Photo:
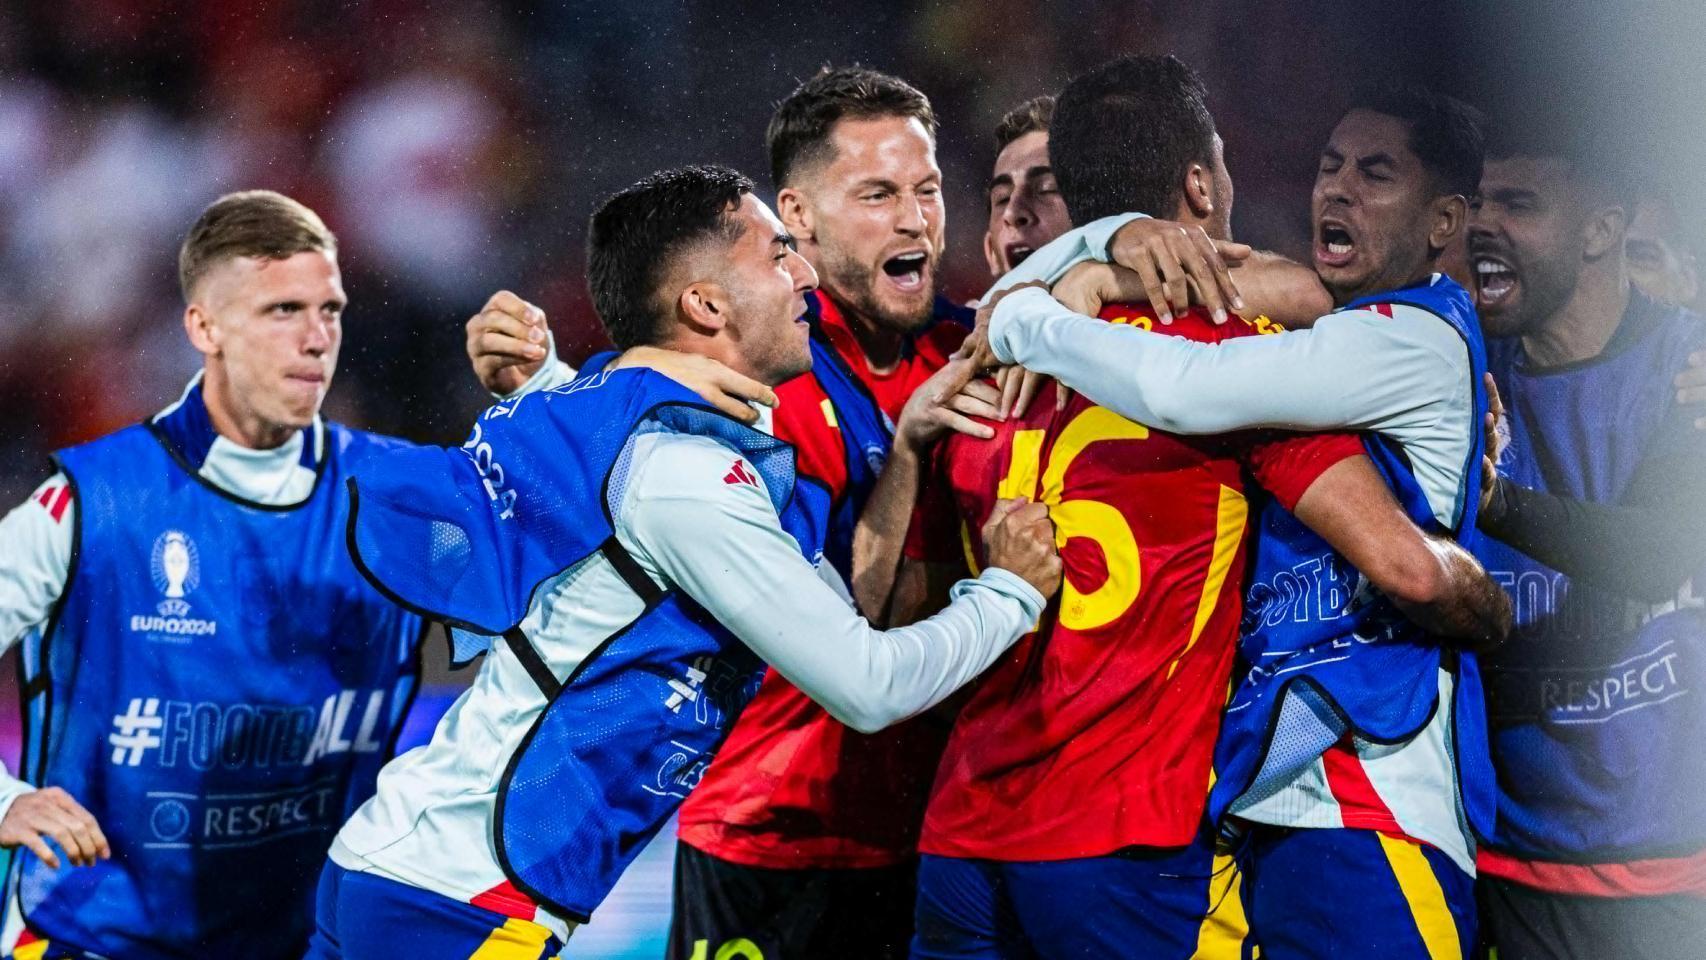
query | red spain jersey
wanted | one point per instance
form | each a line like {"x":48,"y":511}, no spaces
{"x":792,"y":788}
{"x":1097,"y":731}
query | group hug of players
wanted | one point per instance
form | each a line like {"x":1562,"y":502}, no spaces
{"x":1235,"y":613}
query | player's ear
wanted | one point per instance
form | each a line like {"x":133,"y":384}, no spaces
{"x":1451,"y":217}
{"x":791,"y":209}
{"x":1199,"y":191}
{"x":704,"y":306}
{"x":1602,"y":232}
{"x":205,"y":335}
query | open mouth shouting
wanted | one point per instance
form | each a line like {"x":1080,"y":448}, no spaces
{"x":1336,"y":246}
{"x":1495,"y":279}
{"x":908,"y":271}
{"x":1016,"y":253}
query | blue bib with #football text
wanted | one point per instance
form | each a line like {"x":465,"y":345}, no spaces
{"x":219,"y":688}
{"x":1598,"y":701}
{"x":1327,"y":655}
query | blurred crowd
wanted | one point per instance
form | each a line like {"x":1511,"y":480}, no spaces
{"x":458,"y":147}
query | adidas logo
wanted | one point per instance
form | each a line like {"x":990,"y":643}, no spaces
{"x":740,"y":474}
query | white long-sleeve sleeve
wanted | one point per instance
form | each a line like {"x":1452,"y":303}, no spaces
{"x":1053,"y":259}
{"x":551,"y":375}
{"x":35,"y":560}
{"x":719,"y":540}
{"x":1406,"y":376}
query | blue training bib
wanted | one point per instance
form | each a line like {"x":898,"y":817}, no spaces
{"x":219,"y":687}
{"x":468,"y":534}
{"x":1327,"y":655}
{"x":1596,"y":704}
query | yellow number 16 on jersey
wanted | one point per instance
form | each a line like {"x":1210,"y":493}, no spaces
{"x":1090,"y":519}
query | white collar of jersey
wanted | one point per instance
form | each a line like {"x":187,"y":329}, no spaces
{"x":766,"y":422}
{"x":280,"y":477}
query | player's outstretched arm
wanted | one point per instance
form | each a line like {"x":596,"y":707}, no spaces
{"x":1354,"y":370}
{"x":35,"y":557}
{"x":721,"y":543}
{"x":732,"y":393}
{"x":1051,"y":261}
{"x":1432,"y":580}
{"x":1286,"y":291}
{"x":881,"y":532}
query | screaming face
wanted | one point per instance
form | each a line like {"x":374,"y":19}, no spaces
{"x":1525,"y":243}
{"x":877,"y":221}
{"x":1371,"y":208}
{"x":1025,"y":207}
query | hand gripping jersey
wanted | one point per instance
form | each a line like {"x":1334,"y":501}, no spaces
{"x":468,"y":534}
{"x":1595,"y":702}
{"x":1096,"y":732}
{"x":792,"y":788}
{"x":219,"y":687}
{"x":1330,"y":658}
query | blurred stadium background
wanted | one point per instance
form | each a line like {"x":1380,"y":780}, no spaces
{"x":457,"y":148}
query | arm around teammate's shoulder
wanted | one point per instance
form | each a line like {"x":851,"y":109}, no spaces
{"x":719,"y":540}
{"x":1433,"y":580}
{"x":1352,"y":370}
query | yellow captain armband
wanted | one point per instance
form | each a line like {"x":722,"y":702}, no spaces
{"x":829,"y":413}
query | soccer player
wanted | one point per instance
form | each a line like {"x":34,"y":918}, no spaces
{"x":801,"y":839}
{"x":1025,"y":208}
{"x":1354,"y":750}
{"x":1595,"y":527}
{"x":1662,"y":262}
{"x":209,"y":686}
{"x":642,"y":557}
{"x":1066,"y":819}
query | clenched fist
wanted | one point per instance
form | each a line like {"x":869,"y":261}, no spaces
{"x":1019,"y":538}
{"x":506,"y":342}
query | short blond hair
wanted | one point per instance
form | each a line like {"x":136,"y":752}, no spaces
{"x":250,"y":223}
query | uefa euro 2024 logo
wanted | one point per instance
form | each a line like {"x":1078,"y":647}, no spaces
{"x":176,"y":566}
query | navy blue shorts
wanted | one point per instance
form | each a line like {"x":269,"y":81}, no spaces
{"x":359,"y":916}
{"x":1336,"y":894}
{"x":1156,"y":904}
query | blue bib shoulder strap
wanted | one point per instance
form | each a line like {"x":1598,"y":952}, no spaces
{"x":866,"y":431}
{"x":866,"y":436}
{"x":1447,"y":299}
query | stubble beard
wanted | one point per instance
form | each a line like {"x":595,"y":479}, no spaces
{"x":854,"y":285}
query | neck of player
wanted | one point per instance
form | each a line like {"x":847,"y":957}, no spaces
{"x":882,"y":345}
{"x":1586,"y":322}
{"x":234,"y":421}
